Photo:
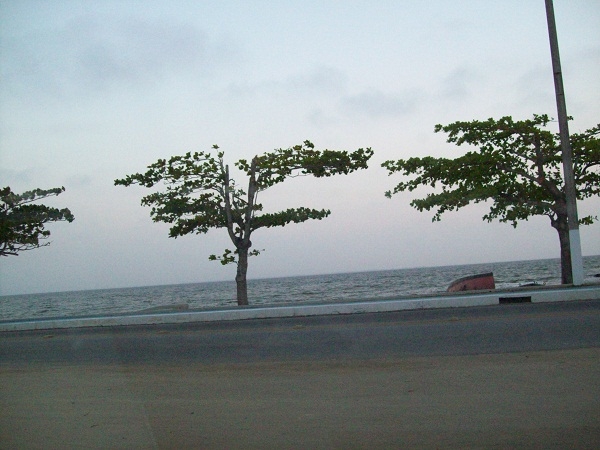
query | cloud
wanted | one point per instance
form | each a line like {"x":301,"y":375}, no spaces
{"x":375,"y":103}
{"x":322,"y":79}
{"x":533,"y":88}
{"x":79,"y":181}
{"x":17,"y":179}
{"x":36,"y":176}
{"x":135,"y":50}
{"x":95,"y":54}
{"x":319,"y":81}
{"x":325,"y":90}
{"x":457,"y":84}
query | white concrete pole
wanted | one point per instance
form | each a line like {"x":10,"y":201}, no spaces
{"x":567,"y":157}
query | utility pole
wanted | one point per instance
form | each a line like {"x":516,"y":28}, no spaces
{"x":567,"y":156}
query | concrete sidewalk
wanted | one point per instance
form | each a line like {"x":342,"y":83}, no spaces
{"x":546,"y":400}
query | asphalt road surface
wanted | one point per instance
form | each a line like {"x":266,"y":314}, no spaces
{"x":461,"y":331}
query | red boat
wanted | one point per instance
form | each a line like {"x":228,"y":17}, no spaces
{"x":473,"y":283}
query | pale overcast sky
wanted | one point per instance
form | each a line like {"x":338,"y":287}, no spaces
{"x":94,"y":90}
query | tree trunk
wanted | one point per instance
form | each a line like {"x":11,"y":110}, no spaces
{"x":242,"y":242}
{"x":240,"y":278}
{"x":562,"y":227}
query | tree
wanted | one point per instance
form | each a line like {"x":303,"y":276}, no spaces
{"x":201,"y":194}
{"x":517,"y":168}
{"x":22,"y":222}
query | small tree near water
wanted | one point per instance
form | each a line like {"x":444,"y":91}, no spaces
{"x":22,"y":221}
{"x":201,"y":194}
{"x":517,"y":168}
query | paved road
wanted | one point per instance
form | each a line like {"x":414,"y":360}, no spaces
{"x":464,"y":331}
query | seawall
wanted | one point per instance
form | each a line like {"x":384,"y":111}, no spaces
{"x":462,"y":300}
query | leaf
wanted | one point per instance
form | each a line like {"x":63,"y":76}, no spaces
{"x":22,"y":221}
{"x":198,"y":194}
{"x":516,"y":168}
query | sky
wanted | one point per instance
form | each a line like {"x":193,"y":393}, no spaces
{"x":92,"y":91}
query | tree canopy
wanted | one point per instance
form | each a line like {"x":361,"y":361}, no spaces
{"x":201,"y":194}
{"x":517,"y":168}
{"x":22,"y":222}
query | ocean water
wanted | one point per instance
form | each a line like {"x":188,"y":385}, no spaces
{"x":290,"y":290}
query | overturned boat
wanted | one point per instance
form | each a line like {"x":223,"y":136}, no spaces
{"x":533,"y":284}
{"x":473,"y":283}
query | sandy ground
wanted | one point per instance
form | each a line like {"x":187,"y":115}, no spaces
{"x":520,"y":400}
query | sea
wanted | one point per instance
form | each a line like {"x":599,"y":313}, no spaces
{"x":332,"y":288}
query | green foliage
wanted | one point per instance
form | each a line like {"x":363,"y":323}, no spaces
{"x":200,"y":194}
{"x":229,"y":257}
{"x":517,"y":167}
{"x":22,"y":222}
{"x":303,"y":159}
